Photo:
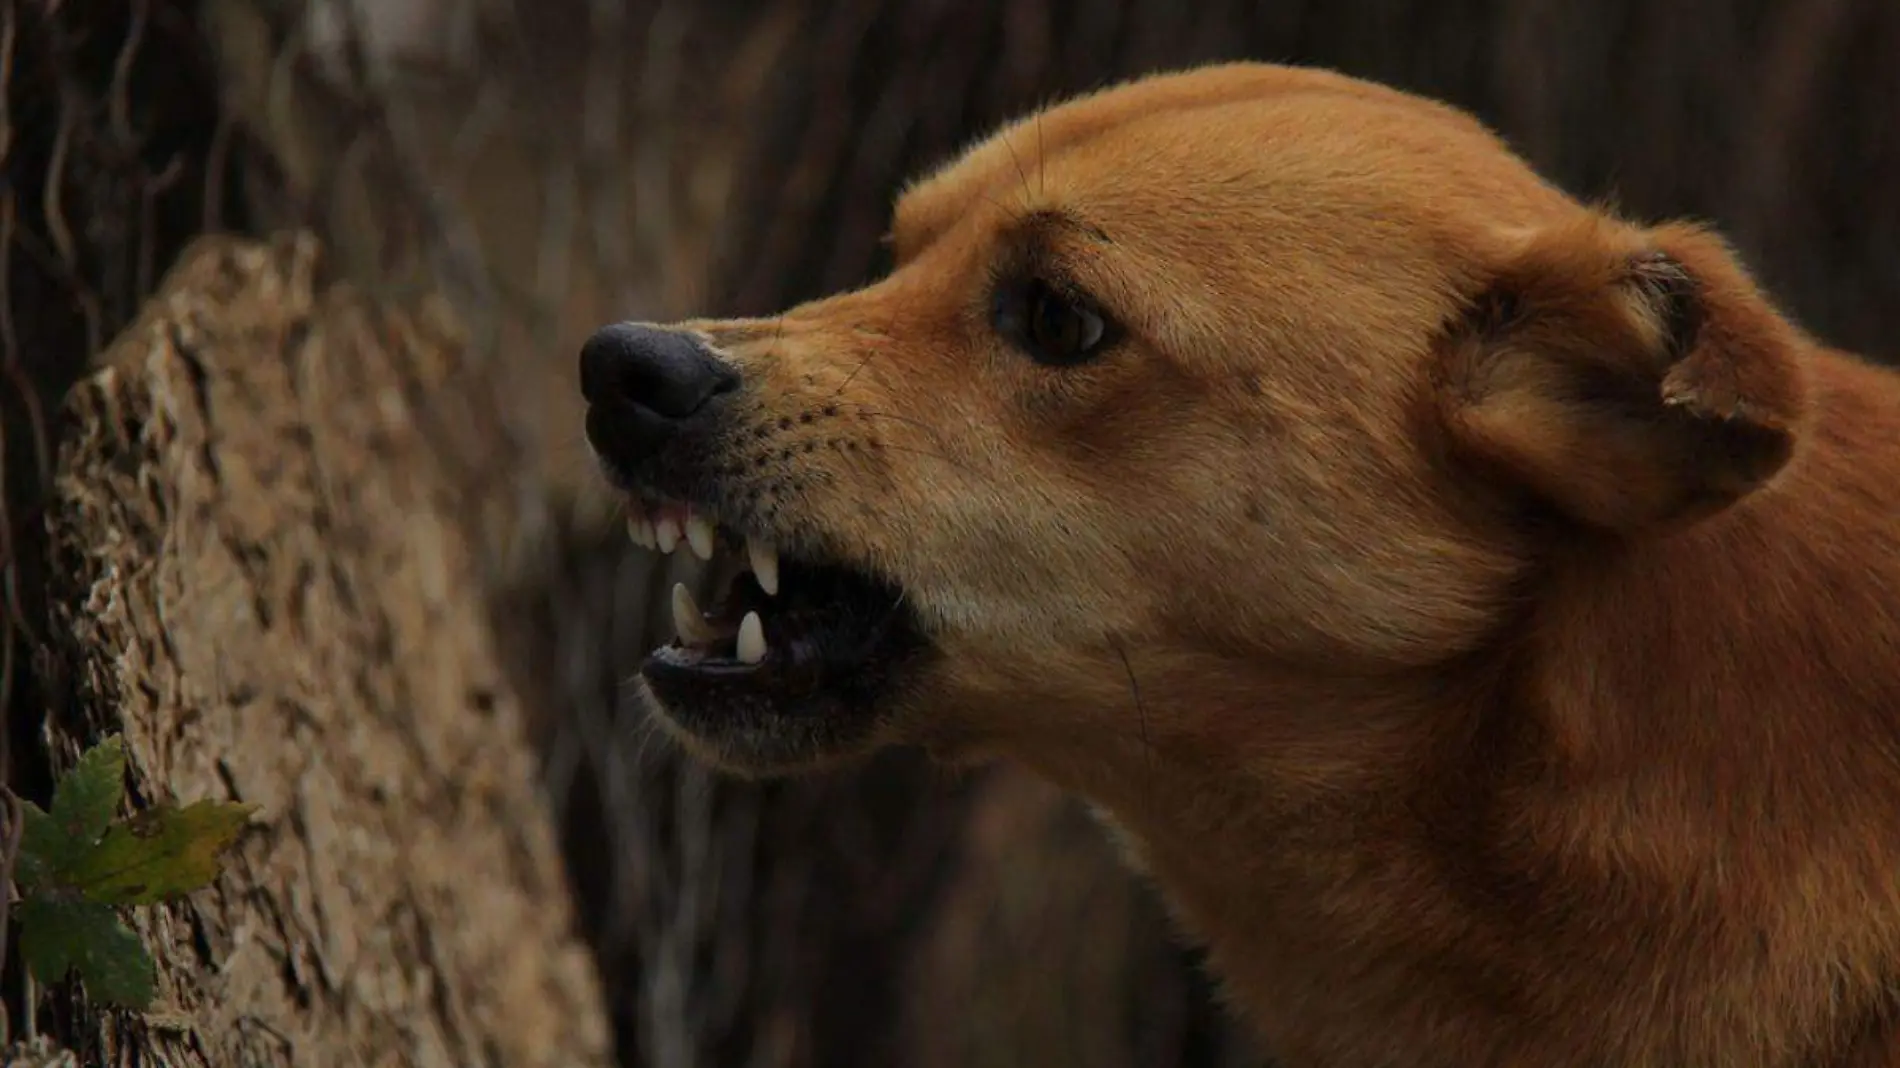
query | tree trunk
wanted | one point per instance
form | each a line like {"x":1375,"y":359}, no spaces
{"x":265,"y":577}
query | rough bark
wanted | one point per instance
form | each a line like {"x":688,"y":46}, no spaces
{"x":266,"y":577}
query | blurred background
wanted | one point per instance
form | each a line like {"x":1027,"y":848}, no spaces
{"x":552,"y":165}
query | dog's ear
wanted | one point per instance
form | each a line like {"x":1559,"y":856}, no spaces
{"x":1627,"y":378}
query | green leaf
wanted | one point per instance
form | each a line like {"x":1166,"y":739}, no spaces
{"x":84,"y":802}
{"x":60,"y":936}
{"x":160,"y":853}
{"x":87,"y":797}
{"x":42,"y":848}
{"x":29,"y":873}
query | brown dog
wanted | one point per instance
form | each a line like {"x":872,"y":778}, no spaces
{"x":1479,"y":613}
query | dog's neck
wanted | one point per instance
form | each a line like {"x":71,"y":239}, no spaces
{"x":1285,"y":855}
{"x":1439,"y":854}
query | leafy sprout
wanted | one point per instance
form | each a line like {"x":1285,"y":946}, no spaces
{"x":78,"y":864}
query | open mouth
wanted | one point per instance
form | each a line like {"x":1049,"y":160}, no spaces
{"x":787,"y":637}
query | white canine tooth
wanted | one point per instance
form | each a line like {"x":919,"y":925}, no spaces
{"x":666,"y":532}
{"x":750,"y":648}
{"x":763,"y":556}
{"x":640,"y":530}
{"x":699,"y":535}
{"x":688,"y":621}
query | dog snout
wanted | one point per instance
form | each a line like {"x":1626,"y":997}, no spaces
{"x":668,"y":373}
{"x":644,"y":385}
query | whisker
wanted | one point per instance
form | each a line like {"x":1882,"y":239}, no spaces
{"x":862,"y":364}
{"x":777,"y":347}
{"x":934,"y":433}
{"x":1141,"y":709}
{"x":1042,"y":157}
{"x":1021,"y":174}
{"x":876,"y":414}
{"x":951,"y":460}
{"x":1015,"y":214}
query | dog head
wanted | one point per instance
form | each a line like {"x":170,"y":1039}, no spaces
{"x":1208,"y":388}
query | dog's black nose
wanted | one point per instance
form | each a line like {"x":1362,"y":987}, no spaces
{"x":668,"y":373}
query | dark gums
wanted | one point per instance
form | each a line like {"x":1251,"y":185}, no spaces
{"x":836,"y":639}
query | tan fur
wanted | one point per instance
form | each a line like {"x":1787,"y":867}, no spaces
{"x":1481,"y":613}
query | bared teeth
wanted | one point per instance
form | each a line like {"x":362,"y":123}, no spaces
{"x":665,"y":527}
{"x":640,"y":523}
{"x":750,"y":648}
{"x":666,"y":533}
{"x":699,"y":535}
{"x":763,"y":556}
{"x":689,"y":621}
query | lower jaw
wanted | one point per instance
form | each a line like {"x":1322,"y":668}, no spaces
{"x":773,"y":681}
{"x":785,"y":717}
{"x":761,"y":740}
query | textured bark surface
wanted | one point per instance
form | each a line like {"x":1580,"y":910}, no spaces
{"x":265,"y":577}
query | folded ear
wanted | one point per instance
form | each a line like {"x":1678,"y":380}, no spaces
{"x":1628,"y":378}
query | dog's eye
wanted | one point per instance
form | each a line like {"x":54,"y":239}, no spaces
{"x":1055,"y":329}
